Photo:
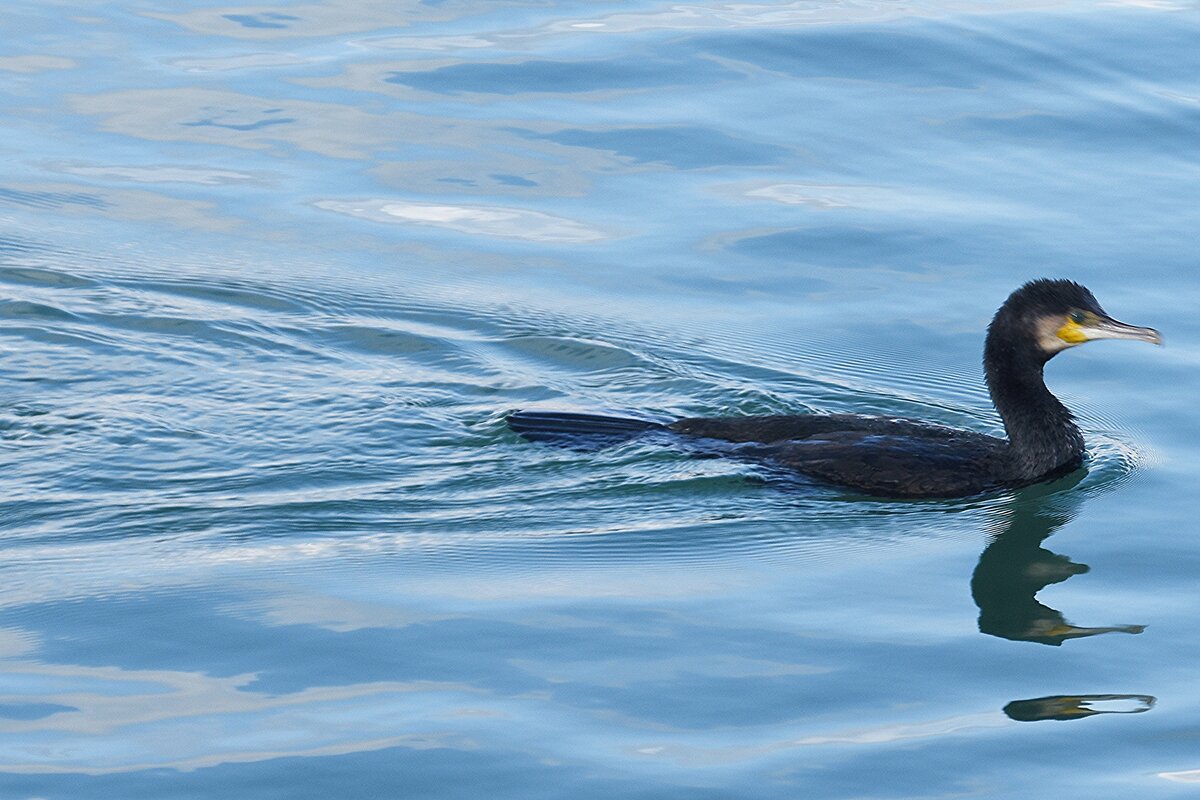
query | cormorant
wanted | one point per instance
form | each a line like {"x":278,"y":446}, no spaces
{"x":894,"y":457}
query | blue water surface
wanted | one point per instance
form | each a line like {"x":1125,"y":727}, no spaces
{"x":271,"y":276}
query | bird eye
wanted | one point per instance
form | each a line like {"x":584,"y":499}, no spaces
{"x":1077,"y":317}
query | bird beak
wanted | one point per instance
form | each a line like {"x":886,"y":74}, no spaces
{"x":1109,"y":328}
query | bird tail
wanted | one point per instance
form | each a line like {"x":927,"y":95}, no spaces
{"x":565,"y":426}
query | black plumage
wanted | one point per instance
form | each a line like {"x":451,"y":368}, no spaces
{"x":907,"y":458}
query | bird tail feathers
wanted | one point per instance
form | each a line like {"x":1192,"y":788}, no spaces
{"x":565,"y":426}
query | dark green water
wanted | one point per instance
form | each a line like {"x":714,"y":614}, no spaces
{"x":271,"y":277}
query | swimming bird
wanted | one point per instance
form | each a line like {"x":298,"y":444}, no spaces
{"x":896,"y":457}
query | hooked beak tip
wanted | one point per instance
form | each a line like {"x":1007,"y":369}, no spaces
{"x":1148,"y":335}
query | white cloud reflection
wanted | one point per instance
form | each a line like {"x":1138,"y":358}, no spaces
{"x":515,"y":223}
{"x":328,"y":18}
{"x":233,"y":119}
{"x":624,"y":672}
{"x":432,"y":43}
{"x":722,"y":17}
{"x":1153,"y":5}
{"x":187,"y":720}
{"x":155,"y":173}
{"x":244,"y":61}
{"x":891,"y":199}
{"x":700,"y":755}
{"x":28,"y":64}
{"x":1183,"y":776}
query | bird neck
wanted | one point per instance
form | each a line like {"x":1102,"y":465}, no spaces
{"x":1042,"y":434}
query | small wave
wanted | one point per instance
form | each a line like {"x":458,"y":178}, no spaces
{"x":32,"y":276}
{"x":1111,"y":461}
{"x":256,"y":297}
{"x":24,"y":423}
{"x":576,"y":355}
{"x":25,"y":310}
{"x":374,"y":420}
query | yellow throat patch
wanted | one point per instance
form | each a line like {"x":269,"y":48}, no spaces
{"x":1072,"y":333}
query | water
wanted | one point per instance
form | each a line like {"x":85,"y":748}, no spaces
{"x":271,"y":276}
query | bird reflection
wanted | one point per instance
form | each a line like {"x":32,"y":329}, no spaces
{"x":1012,"y":570}
{"x":1064,"y":706}
{"x":1015,"y":567}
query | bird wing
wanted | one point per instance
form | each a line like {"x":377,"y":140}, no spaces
{"x":890,"y":465}
{"x":791,"y":427}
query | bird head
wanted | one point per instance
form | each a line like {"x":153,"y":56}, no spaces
{"x":1057,"y":314}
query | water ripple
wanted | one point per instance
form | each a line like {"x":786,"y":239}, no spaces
{"x":250,"y":375}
